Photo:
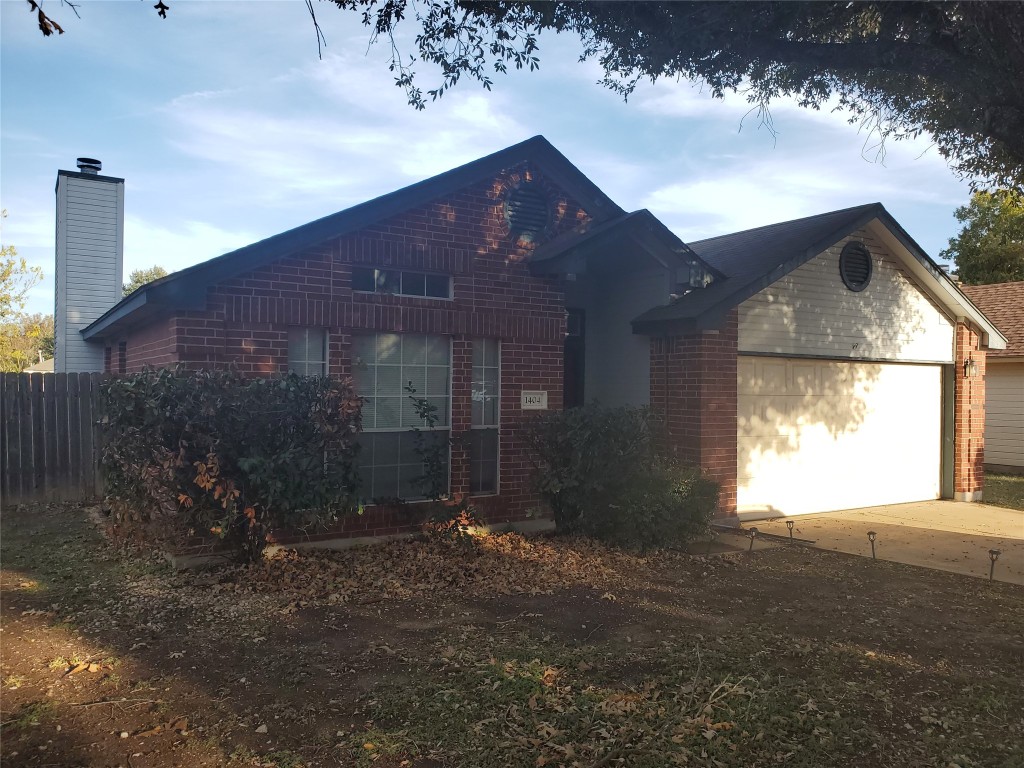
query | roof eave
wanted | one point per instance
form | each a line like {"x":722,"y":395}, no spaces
{"x":200,"y":277}
{"x":948,"y":291}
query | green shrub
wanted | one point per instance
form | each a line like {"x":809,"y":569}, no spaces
{"x":601,"y":473}
{"x":214,"y":452}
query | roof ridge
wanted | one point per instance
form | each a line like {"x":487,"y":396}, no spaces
{"x":179,"y":289}
{"x":862,"y":207}
{"x":965,"y":286}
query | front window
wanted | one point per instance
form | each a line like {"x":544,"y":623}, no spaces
{"x":390,"y":370}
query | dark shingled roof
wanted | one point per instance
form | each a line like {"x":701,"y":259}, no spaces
{"x":1003,"y":304}
{"x":752,"y":260}
{"x":187,"y":289}
{"x":623,"y":235}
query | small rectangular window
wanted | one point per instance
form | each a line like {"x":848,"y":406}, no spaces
{"x":486,"y":414}
{"x":414,"y":284}
{"x":363,"y":280}
{"x":122,"y":357}
{"x":401,"y":282}
{"x":307,"y":351}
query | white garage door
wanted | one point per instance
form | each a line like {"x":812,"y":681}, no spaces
{"x":817,"y":436}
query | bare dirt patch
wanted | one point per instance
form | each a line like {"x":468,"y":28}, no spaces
{"x":518,"y":653}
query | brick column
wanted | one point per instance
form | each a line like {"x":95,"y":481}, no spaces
{"x":462,"y":412}
{"x":969,"y":418}
{"x":693,"y":388}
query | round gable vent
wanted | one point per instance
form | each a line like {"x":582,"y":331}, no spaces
{"x":855,"y":266}
{"x":527,"y":212}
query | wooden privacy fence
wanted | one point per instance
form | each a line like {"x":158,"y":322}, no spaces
{"x":49,"y":437}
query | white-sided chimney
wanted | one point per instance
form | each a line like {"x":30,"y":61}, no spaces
{"x":89,"y":256}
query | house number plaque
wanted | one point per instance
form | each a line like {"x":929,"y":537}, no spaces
{"x":534,"y":401}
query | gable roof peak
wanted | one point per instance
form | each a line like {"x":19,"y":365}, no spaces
{"x":186,"y":288}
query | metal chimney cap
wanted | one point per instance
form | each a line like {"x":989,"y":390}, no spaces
{"x":89,"y":165}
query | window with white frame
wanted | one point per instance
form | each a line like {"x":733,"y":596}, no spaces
{"x":389,"y":371}
{"x":307,"y":351}
{"x":486,"y":410}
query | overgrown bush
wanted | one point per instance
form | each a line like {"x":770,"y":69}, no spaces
{"x":602,"y":474}
{"x":214,"y":452}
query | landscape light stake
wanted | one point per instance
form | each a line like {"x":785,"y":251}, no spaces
{"x":753,"y":535}
{"x":790,"y":524}
{"x":993,"y":555}
{"x":871,"y":538}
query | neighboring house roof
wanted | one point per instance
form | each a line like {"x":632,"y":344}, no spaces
{"x":43,"y":366}
{"x":1003,"y":304}
{"x":753,"y":259}
{"x":187,"y":289}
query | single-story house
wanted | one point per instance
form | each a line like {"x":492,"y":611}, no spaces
{"x":813,"y":365}
{"x":1003,"y":303}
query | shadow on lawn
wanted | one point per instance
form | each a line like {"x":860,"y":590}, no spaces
{"x":232,"y":661}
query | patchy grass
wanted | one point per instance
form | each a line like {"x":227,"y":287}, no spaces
{"x":515,"y":653}
{"x":1005,"y":490}
{"x":30,"y":715}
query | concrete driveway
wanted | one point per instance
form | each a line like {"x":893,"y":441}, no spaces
{"x":945,"y":535}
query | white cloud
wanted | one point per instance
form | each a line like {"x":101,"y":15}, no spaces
{"x":362,"y":139}
{"x":190,"y":242}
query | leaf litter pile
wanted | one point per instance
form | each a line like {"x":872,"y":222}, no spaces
{"x":490,"y":566}
{"x":514,"y":652}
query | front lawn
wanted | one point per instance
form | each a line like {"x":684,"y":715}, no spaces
{"x":517,"y":653}
{"x":1004,"y":490}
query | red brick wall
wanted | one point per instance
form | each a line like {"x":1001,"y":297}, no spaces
{"x":969,"y":417}
{"x":153,"y":345}
{"x":693,"y":387}
{"x":247,"y":318}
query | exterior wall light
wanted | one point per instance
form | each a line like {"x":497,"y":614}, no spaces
{"x":970,"y":368}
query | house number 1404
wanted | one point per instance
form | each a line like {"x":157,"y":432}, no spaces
{"x":534,"y":401}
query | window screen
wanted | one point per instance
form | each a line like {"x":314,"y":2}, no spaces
{"x":486,"y":410}
{"x":307,"y":351}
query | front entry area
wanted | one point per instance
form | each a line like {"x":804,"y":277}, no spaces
{"x":823,"y":435}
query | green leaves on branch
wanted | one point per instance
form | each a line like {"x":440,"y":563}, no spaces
{"x":951,"y":70}
{"x":990,"y":247}
{"x":17,"y":278}
{"x":195,"y":454}
{"x":139,"y":278}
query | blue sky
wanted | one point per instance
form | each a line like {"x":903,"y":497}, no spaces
{"x":227,"y":129}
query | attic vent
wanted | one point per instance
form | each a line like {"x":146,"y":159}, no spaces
{"x":527,"y":212}
{"x":855,"y":266}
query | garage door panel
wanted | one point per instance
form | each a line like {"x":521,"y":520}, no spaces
{"x":837,"y":435}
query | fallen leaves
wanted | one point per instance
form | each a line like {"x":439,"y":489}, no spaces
{"x":84,"y":666}
{"x":500,"y":564}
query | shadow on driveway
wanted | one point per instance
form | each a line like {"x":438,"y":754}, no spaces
{"x":945,"y":535}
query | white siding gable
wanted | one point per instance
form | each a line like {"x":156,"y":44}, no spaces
{"x":811,"y":312}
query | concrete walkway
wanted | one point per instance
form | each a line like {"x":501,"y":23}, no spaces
{"x":945,"y":535}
